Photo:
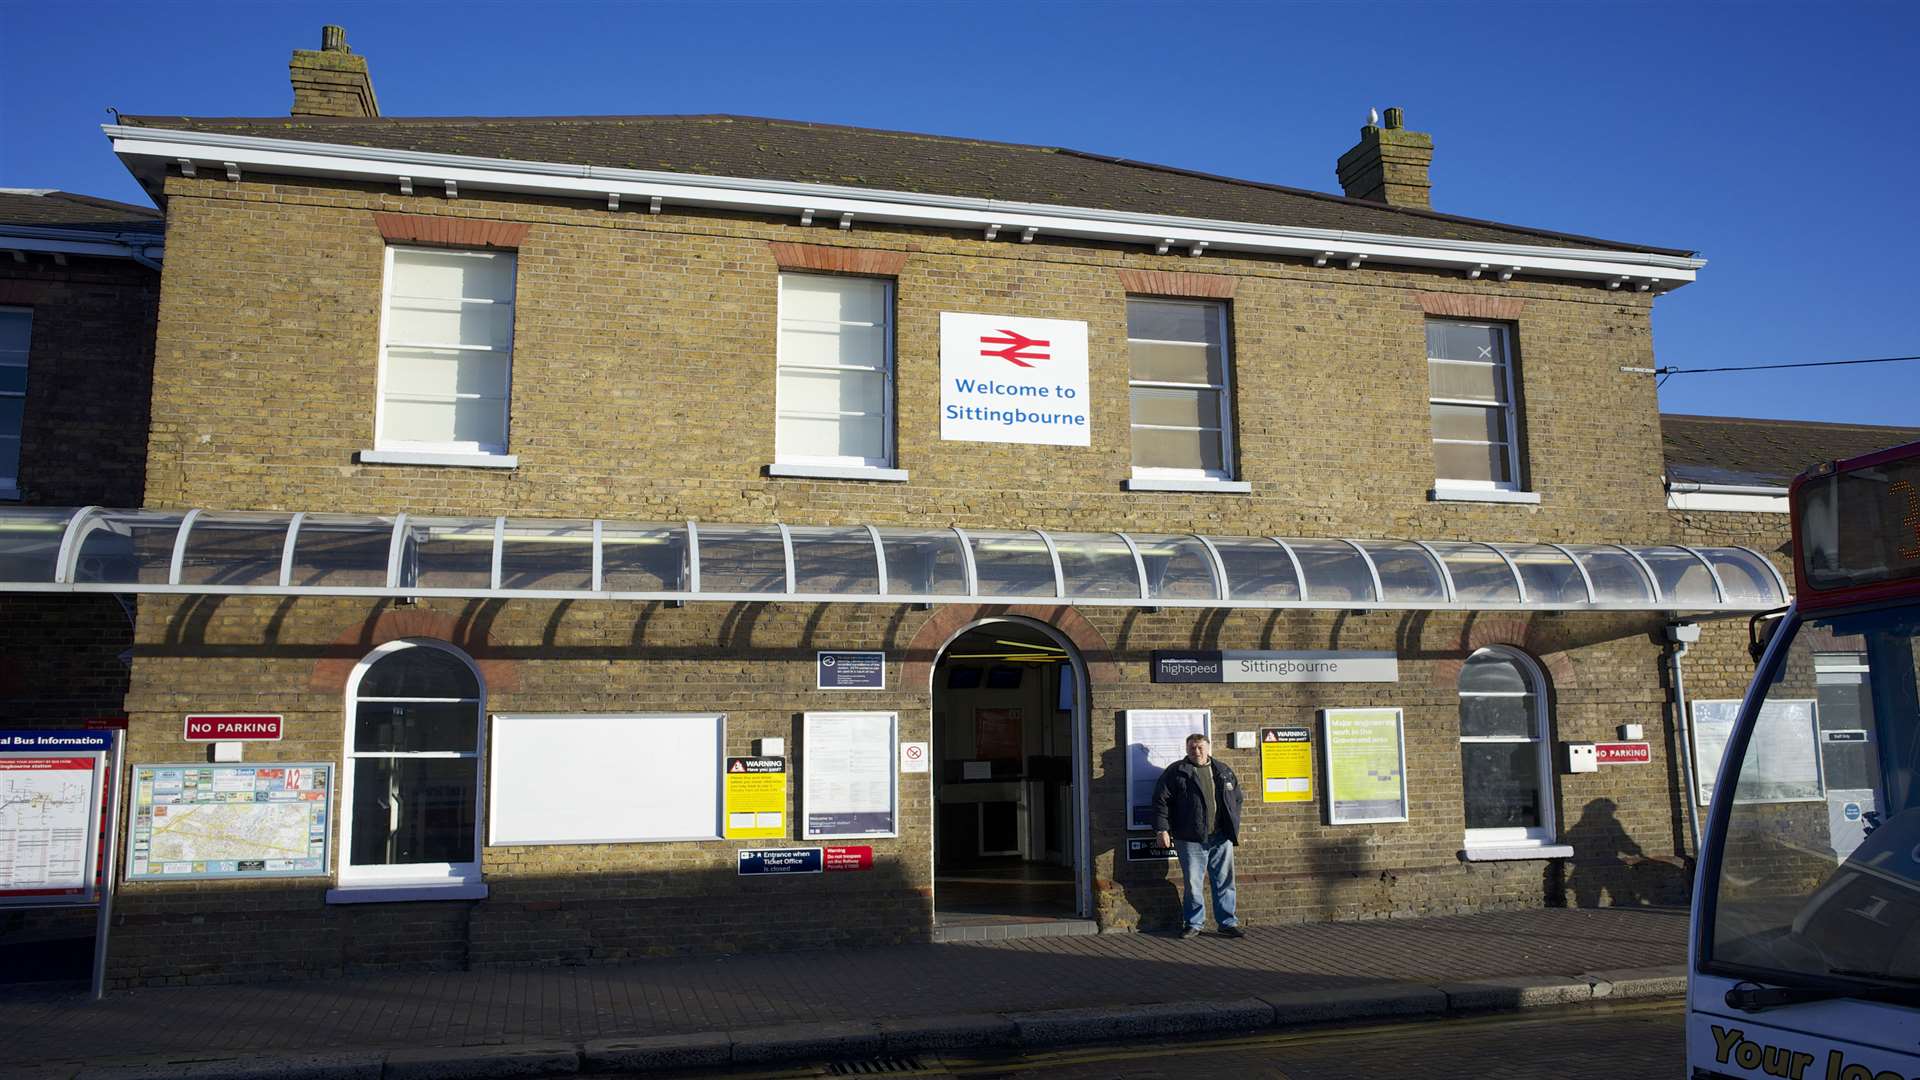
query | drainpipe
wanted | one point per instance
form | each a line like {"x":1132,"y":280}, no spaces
{"x":1681,"y":635}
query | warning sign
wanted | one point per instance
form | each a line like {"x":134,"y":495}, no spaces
{"x":756,"y":798}
{"x":1286,"y":765}
{"x":849,"y":858}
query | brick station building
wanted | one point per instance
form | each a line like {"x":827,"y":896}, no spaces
{"x":527,"y":467}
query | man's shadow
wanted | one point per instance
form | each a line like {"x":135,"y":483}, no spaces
{"x":1152,"y":887}
{"x":1608,"y":861}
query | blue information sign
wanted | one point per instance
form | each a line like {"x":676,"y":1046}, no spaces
{"x":801,"y":860}
{"x":56,"y":740}
{"x":852,"y":671}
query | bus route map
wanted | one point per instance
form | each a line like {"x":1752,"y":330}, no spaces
{"x":229,"y":821}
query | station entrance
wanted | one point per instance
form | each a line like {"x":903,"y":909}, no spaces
{"x":1008,"y":834}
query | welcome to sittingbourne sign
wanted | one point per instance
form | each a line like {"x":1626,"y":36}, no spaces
{"x":1013,"y":380}
{"x":1247,"y":666}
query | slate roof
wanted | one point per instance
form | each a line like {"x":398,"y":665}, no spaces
{"x":766,"y":149}
{"x":1742,"y":450}
{"x":47,"y":209}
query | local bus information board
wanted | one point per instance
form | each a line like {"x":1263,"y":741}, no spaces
{"x":229,"y":821}
{"x":49,"y":823}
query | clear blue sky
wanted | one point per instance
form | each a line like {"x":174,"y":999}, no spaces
{"x":1776,"y":140}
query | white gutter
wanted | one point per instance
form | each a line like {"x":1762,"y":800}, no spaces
{"x":1688,"y":487}
{"x":234,"y":155}
{"x":1737,"y":498}
{"x":143,"y":248}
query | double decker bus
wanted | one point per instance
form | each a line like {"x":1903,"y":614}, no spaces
{"x":1805,"y":942}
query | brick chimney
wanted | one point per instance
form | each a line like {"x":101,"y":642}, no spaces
{"x":1389,"y":165}
{"x":332,"y":81}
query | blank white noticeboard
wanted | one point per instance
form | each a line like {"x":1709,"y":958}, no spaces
{"x":567,"y":778}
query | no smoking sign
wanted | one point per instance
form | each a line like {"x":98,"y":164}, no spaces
{"x":913,"y":757}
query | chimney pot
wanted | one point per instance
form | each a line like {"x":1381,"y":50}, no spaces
{"x":334,"y":39}
{"x":1389,"y":164}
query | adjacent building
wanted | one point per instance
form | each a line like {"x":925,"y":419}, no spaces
{"x":644,"y":534}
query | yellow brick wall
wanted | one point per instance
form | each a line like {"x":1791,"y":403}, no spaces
{"x":643,"y":389}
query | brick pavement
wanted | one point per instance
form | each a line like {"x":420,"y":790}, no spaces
{"x":496,"y":1006}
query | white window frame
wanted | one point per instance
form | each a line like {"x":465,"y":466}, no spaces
{"x":418,"y":874}
{"x":10,"y":485}
{"x":1543,"y":834}
{"x":1509,"y":409}
{"x":1225,"y":389}
{"x":468,"y":449}
{"x":844,"y":461}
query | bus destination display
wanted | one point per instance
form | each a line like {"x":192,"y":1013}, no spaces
{"x":1861,"y":527}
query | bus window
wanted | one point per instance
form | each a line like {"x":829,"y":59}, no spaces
{"x":1820,"y":859}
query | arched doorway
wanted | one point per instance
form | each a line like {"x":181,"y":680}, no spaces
{"x":1010,"y":750}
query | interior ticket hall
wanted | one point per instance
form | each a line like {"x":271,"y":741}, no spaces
{"x":516,"y":740}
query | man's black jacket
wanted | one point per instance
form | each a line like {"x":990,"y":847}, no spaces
{"x":1179,"y":810}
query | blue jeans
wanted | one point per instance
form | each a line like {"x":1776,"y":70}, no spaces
{"x":1214,"y":859}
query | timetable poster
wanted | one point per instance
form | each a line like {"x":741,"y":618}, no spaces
{"x":1156,"y":738}
{"x":849,"y":784}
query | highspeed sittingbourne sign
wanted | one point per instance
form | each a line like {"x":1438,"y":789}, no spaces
{"x":1013,"y":380}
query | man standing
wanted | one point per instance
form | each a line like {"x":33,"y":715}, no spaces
{"x":1196,"y":811}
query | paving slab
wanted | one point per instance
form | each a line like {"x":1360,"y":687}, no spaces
{"x":350,"y":1065}
{"x":482,"y":1062}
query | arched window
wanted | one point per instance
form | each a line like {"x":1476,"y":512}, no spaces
{"x":411,"y":795}
{"x":1505,"y":769}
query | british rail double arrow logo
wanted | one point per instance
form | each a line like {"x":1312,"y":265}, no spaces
{"x":1015,"y":348}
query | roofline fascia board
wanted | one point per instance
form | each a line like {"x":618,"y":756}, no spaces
{"x":286,"y":156}
{"x":103,"y":244}
{"x":1691,"y":487}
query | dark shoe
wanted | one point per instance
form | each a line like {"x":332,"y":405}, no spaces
{"x":1233,"y":931}
{"x":1189,"y":933}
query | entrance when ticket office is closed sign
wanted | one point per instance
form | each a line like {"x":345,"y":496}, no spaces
{"x":1013,"y":380}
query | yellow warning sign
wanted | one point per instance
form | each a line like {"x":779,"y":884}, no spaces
{"x":1286,"y":765}
{"x":756,"y":798}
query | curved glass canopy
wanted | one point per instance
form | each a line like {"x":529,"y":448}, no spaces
{"x":293,"y":554}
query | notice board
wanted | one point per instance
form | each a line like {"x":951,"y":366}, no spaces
{"x":1783,"y":756}
{"x":605,"y":778}
{"x":1366,"y":765}
{"x":1156,"y":738}
{"x":267,"y":820}
{"x":50,"y":811}
{"x":849,"y":775}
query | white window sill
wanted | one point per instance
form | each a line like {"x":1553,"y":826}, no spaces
{"x":1516,"y":852}
{"x":1206,"y":487}
{"x":399,"y":891}
{"x":1485,"y":495}
{"x":425,"y":457}
{"x":839,"y":472}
